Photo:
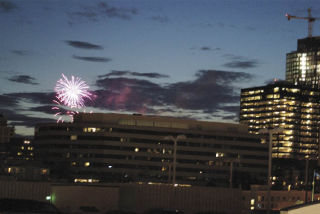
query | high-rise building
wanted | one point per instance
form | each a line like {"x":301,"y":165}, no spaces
{"x":296,"y":108}
{"x":303,"y":65}
{"x":6,"y":132}
{"x":293,"y":105}
{"x":120,"y":148}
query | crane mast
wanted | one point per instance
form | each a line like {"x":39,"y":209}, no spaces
{"x":309,"y":18}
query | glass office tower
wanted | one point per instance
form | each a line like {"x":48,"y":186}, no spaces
{"x":296,"y":108}
{"x":303,"y":65}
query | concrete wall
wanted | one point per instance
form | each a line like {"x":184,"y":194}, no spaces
{"x":75,"y":198}
{"x":78,"y":198}
{"x":308,"y":209}
{"x":24,"y":190}
{"x":139,"y":198}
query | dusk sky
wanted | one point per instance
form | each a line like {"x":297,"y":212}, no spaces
{"x":181,"y":58}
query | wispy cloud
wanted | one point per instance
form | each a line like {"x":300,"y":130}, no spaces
{"x":102,"y":10}
{"x":18,"y":119}
{"x":208,"y":48}
{"x":92,"y":59}
{"x":33,"y":97}
{"x":20,"y":52}
{"x":8,"y":101}
{"x":7,"y":6}
{"x":130,"y":73}
{"x":161,"y":19}
{"x":242,"y":64}
{"x":83,"y":45}
{"x":26,"y":79}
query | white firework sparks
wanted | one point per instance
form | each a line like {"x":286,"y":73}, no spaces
{"x":73,"y":92}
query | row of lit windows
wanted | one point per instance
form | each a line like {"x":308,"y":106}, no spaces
{"x":246,"y":93}
{"x":277,"y":89}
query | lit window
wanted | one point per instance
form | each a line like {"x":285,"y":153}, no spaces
{"x":44,"y":171}
{"x":93,"y":129}
{"x":73,"y":137}
{"x":219,"y":154}
{"x":252,"y":201}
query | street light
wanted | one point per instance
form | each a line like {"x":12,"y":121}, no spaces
{"x":175,"y":142}
{"x":270,"y":132}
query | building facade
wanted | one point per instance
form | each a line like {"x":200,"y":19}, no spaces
{"x":135,"y":148}
{"x":256,"y":200}
{"x":6,"y":132}
{"x":296,"y":108}
{"x":303,"y":65}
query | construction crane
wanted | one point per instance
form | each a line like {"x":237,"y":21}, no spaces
{"x":310,"y":19}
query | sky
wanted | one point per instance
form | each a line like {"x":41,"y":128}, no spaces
{"x":180,"y":58}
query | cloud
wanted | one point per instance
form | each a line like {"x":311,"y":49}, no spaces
{"x":83,"y":45}
{"x":92,"y":59}
{"x":13,"y":107}
{"x":223,"y":25}
{"x":211,"y":91}
{"x":127,"y":94}
{"x":233,"y":57}
{"x":33,"y":97}
{"x":43,"y":108}
{"x":242,"y":64}
{"x":20,"y":52}
{"x":7,"y":6}
{"x":102,"y":10}
{"x":23,"y":79}
{"x":250,"y":28}
{"x":138,"y":74}
{"x":7,"y":101}
{"x":17,"y":119}
{"x":207,"y":48}
{"x":161,"y":19}
{"x":234,"y":109}
{"x":211,"y":94}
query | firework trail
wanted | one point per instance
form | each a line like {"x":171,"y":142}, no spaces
{"x":70,"y":97}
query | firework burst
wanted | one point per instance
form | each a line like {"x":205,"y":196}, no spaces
{"x":70,"y":97}
{"x":73,"y":92}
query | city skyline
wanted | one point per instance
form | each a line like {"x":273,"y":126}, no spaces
{"x":172,"y":58}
